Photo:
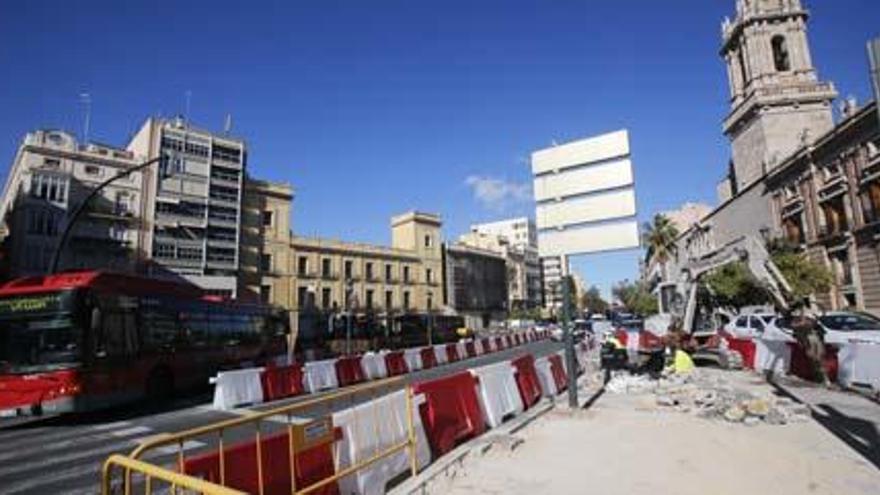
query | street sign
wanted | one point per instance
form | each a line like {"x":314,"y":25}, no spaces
{"x":585,"y":202}
{"x":585,"y":196}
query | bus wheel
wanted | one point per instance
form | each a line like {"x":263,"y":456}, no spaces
{"x":160,"y":385}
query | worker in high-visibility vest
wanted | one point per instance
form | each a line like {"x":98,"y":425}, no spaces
{"x":681,"y":361}
{"x":613,"y":356}
{"x":612,"y":340}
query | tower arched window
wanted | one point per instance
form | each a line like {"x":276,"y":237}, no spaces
{"x":780,"y":53}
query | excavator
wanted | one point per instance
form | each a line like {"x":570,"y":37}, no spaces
{"x":679,"y":302}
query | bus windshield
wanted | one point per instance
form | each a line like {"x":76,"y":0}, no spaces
{"x":38,"y":333}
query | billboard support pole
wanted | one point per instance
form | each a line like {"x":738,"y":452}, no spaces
{"x":874,"y":61}
{"x":568,"y":333}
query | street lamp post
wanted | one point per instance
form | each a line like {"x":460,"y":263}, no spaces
{"x":349,"y":289}
{"x":56,"y":257}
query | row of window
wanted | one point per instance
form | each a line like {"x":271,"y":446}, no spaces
{"x":226,"y":153}
{"x":182,"y":208}
{"x":305,"y":299}
{"x":224,"y":193}
{"x":224,"y":174}
{"x":348,"y":271}
{"x":191,"y":148}
{"x":49,"y":187}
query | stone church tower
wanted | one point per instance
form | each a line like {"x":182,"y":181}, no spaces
{"x":777,"y":103}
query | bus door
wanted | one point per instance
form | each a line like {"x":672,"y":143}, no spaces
{"x":114,"y":347}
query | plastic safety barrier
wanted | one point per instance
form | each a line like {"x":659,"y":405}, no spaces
{"x":451,"y":411}
{"x":489,"y":345}
{"x":859,"y":365}
{"x":478,"y":347}
{"x":470,"y":349}
{"x":772,"y":355}
{"x":499,"y":394}
{"x":441,"y":354}
{"x":527,"y":380}
{"x":545,"y":377}
{"x":413,"y":359}
{"x":499,"y":344}
{"x":282,"y":381}
{"x":745,"y":347}
{"x":557,"y":367}
{"x":395,"y":363}
{"x":374,"y":365}
{"x":372,"y":427}
{"x":801,"y":366}
{"x":240,"y":466}
{"x":237,"y":387}
{"x":429,"y":359}
{"x":452,"y":353}
{"x":349,"y":371}
{"x":321,"y":375}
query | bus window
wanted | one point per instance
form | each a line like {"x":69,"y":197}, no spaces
{"x":159,"y":328}
{"x":196,"y":329}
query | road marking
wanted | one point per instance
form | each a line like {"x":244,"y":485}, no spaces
{"x":111,"y":426}
{"x":136,"y":430}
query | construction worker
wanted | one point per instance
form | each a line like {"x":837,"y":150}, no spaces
{"x":811,"y":337}
{"x":613,"y":355}
{"x":681,"y":360}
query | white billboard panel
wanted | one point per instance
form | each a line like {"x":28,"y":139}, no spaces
{"x":590,"y":150}
{"x":606,"y":175}
{"x":589,"y":238}
{"x":585,"y":196}
{"x":583,"y":209}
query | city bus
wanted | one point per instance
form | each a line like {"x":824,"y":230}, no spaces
{"x":86,"y":340}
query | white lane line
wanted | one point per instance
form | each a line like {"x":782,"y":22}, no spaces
{"x":135,"y":430}
{"x":112,"y":426}
{"x":86,"y":455}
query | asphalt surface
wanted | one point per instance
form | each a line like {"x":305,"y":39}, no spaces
{"x":64,"y":455}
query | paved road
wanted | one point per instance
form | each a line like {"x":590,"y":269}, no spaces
{"x":853,"y":418}
{"x":64,"y":455}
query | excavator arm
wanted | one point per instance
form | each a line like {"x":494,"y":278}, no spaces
{"x":754,"y":256}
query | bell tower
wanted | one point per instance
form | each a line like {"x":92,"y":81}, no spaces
{"x":777,"y":103}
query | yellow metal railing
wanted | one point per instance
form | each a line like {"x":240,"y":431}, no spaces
{"x":132,"y":464}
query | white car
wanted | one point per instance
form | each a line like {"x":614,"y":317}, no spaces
{"x":748,"y":326}
{"x":842,"y":327}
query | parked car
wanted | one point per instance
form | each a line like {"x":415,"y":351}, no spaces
{"x":747,"y":326}
{"x":842,"y":327}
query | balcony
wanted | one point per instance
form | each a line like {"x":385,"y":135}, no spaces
{"x":111,"y":213}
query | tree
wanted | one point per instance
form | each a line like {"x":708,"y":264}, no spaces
{"x":733,"y":286}
{"x":636,"y":297}
{"x":592,"y":301}
{"x":805,"y":276}
{"x":659,"y":240}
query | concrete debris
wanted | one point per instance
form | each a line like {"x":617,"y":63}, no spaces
{"x":711,"y":397}
{"x":734,"y":414}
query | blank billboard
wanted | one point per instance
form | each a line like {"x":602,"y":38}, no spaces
{"x":585,"y":196}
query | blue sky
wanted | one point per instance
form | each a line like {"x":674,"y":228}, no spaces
{"x":374,"y":108}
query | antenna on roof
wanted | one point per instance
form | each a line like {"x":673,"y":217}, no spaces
{"x":186,"y":110}
{"x":227,"y":126}
{"x":86,"y":100}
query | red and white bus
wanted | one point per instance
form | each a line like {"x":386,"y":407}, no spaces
{"x":86,"y":340}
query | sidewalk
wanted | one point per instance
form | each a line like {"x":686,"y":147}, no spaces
{"x":625,"y":444}
{"x":853,"y":418}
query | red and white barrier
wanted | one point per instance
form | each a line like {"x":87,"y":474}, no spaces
{"x":413,"y":358}
{"x":772,"y":355}
{"x":376,"y":426}
{"x":499,"y":395}
{"x":374,"y":365}
{"x":321,"y":375}
{"x":859,"y":364}
{"x":478,"y":346}
{"x":545,"y":375}
{"x":237,"y":387}
{"x":242,"y":386}
{"x":440,"y":353}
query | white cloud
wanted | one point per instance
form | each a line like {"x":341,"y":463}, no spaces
{"x":498,"y":194}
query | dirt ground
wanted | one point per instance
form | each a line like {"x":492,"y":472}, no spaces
{"x":625,"y":444}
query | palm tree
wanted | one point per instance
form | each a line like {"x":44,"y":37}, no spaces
{"x":659,"y":238}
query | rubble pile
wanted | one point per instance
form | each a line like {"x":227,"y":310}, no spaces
{"x":711,"y":397}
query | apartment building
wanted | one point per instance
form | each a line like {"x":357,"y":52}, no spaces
{"x":266,"y":265}
{"x":475,"y":282}
{"x":192,"y":202}
{"x":516,"y":239}
{"x":51,"y":175}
